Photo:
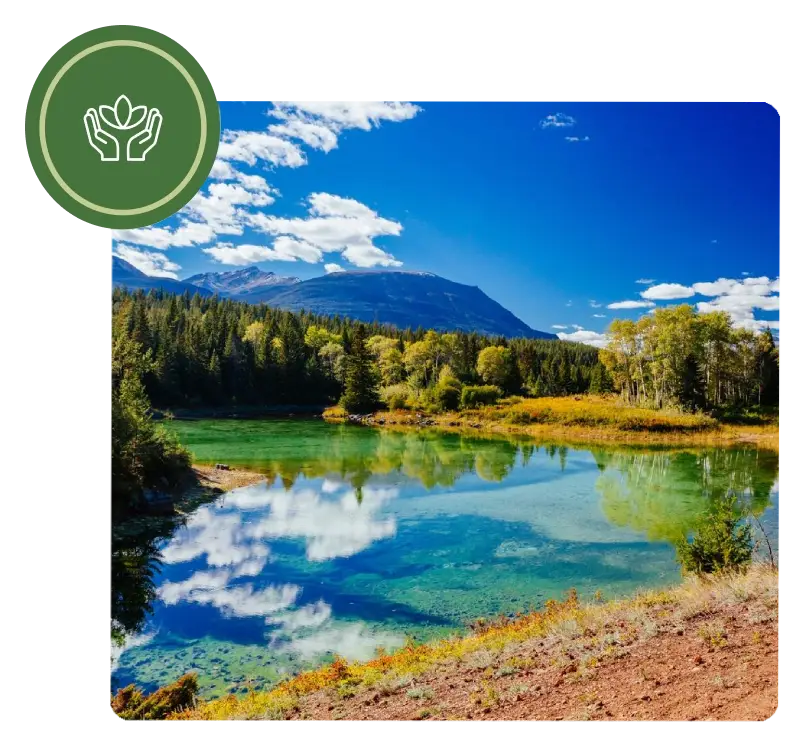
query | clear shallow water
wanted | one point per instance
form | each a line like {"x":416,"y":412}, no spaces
{"x":359,"y":538}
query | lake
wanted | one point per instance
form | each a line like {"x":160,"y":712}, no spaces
{"x":362,"y":538}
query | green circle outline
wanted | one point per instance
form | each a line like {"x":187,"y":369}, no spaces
{"x":43,"y":135}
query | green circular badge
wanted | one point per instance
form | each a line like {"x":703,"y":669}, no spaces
{"x":122,"y":127}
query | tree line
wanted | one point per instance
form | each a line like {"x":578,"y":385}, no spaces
{"x":678,"y":357}
{"x":220,"y":352}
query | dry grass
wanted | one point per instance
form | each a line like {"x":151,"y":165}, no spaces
{"x":580,"y":636}
{"x":587,"y":419}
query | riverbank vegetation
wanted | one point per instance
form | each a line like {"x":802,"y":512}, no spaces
{"x":689,"y":369}
{"x":587,"y":419}
{"x":146,"y":460}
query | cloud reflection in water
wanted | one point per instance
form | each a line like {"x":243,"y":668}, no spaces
{"x":232,"y":537}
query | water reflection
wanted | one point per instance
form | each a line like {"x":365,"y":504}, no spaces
{"x":359,"y":537}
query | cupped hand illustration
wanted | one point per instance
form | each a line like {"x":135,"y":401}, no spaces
{"x":107,"y":145}
{"x":144,"y":140}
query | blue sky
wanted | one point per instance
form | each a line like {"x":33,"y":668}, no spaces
{"x":556,"y":210}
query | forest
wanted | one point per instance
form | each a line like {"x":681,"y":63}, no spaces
{"x":214,"y":352}
{"x":678,"y":357}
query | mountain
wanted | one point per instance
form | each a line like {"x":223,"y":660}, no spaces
{"x":405,"y":299}
{"x":237,"y":282}
{"x":126,"y":275}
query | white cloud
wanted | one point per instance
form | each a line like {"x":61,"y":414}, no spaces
{"x":596,"y":339}
{"x":285,"y":249}
{"x":559,"y":326}
{"x":186,"y":234}
{"x":317,"y":124}
{"x":343,"y":115}
{"x":594,"y":304}
{"x":290,"y":250}
{"x":242,"y":254}
{"x":155,"y":264}
{"x":575,"y":139}
{"x":645,"y":281}
{"x":577,"y":326}
{"x":252,"y":147}
{"x":331,"y":267}
{"x":631,"y":305}
{"x":315,"y":135}
{"x":667,"y":291}
{"x":740,"y":299}
{"x":219,"y":207}
{"x":235,"y":198}
{"x":749,"y":287}
{"x":224,"y":172}
{"x":599,"y":316}
{"x":557,"y":120}
{"x":336,"y":224}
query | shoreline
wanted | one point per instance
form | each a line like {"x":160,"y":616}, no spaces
{"x":223,"y":480}
{"x":704,"y":649}
{"x":471,"y":422}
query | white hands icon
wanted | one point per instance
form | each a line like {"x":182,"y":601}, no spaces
{"x":120,"y":118}
{"x":102,"y":141}
{"x":139,"y":145}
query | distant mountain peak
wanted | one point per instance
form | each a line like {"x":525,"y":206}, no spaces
{"x":404,"y":298}
{"x":238,"y":282}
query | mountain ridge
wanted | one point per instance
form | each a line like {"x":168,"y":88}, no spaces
{"x":126,"y":275}
{"x":403,"y":298}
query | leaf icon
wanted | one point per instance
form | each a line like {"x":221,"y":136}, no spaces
{"x":123,"y":111}
{"x":107,"y":114}
{"x":122,"y":116}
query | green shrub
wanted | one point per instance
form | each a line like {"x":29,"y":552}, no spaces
{"x":473,"y":396}
{"x":723,"y":540}
{"x":448,"y":394}
{"x":396,"y":396}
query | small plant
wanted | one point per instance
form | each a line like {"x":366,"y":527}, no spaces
{"x":722,"y":542}
{"x":713,"y":634}
{"x":420,"y":693}
{"x":491,"y":697}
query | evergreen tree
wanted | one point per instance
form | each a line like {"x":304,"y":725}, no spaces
{"x":360,"y":383}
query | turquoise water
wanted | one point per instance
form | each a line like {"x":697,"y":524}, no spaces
{"x":359,"y":538}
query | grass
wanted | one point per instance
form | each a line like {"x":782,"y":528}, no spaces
{"x":583,"y":635}
{"x":590,"y":418}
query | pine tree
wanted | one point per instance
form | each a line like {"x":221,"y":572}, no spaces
{"x":596,"y":380}
{"x":360,"y":384}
